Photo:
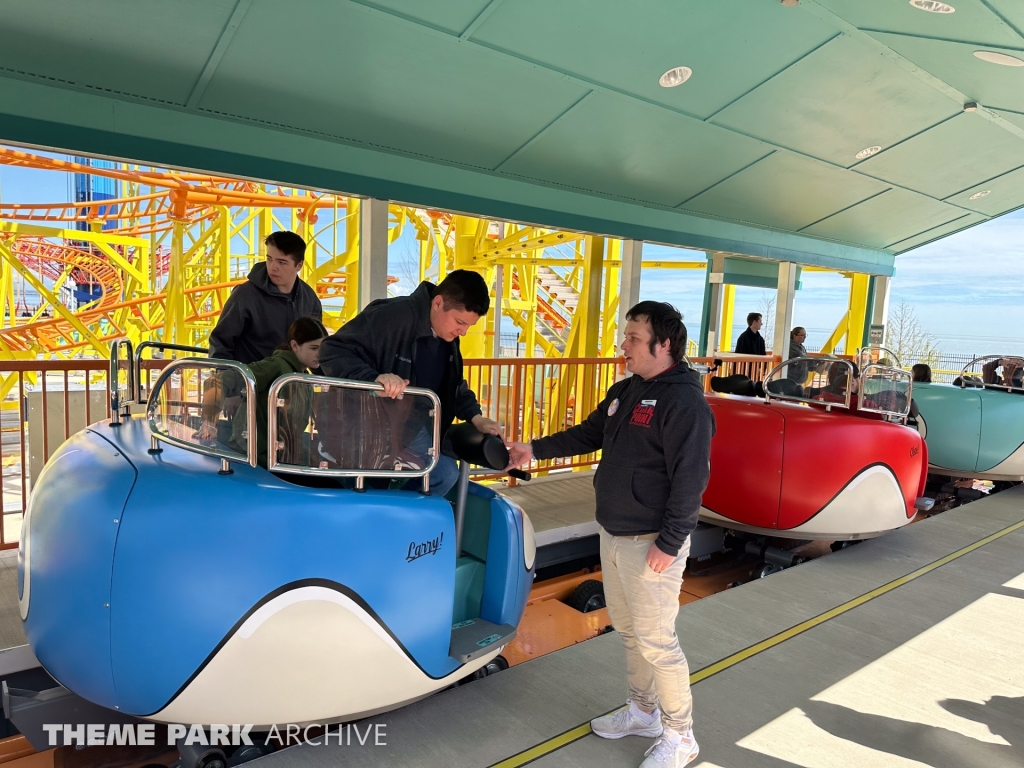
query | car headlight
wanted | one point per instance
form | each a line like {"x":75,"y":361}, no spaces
{"x":529,"y":542}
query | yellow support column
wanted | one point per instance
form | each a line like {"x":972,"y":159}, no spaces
{"x":575,"y":386}
{"x":610,"y":311}
{"x":528,"y":293}
{"x":468,"y":232}
{"x":728,"y":303}
{"x":174,"y":312}
{"x":837,"y":335}
{"x":223,"y":273}
{"x":859,"y":290}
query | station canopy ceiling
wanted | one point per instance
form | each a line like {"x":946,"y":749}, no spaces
{"x":504,"y":104}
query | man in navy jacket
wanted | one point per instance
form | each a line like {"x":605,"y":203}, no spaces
{"x":751,"y":342}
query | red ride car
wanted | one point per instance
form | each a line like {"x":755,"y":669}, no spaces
{"x":807,"y":455}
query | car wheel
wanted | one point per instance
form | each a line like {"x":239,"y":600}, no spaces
{"x":835,"y":546}
{"x":587,"y":597}
{"x":494,"y":666}
{"x":768,"y":570}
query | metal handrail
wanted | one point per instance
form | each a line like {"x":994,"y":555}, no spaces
{"x":275,"y":466}
{"x":896,"y":373}
{"x":768,"y":395}
{"x":137,"y":373}
{"x":976,"y":381}
{"x":115,"y":401}
{"x":250,"y":407}
{"x":868,"y":349}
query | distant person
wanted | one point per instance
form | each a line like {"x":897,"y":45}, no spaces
{"x":750,"y":341}
{"x":797,"y":372}
{"x":654,"y":431}
{"x":414,"y":341}
{"x":1013,"y":372}
{"x":259,"y":312}
{"x":922,"y":373}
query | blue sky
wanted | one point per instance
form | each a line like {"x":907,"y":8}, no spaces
{"x":966,"y":288}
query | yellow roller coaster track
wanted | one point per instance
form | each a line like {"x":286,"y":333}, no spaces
{"x":160,"y":260}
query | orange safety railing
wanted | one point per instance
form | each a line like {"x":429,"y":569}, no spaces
{"x":44,"y":403}
{"x":533,"y":397}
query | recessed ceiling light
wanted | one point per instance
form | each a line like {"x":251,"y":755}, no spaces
{"x":675,"y":76}
{"x":868,"y":152}
{"x":999,"y":58}
{"x":932,"y":5}
{"x":978,"y":195}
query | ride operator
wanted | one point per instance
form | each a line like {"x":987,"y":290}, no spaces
{"x":414,"y":341}
{"x":654,"y":430}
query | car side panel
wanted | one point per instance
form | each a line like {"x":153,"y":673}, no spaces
{"x":1002,"y":427}
{"x":952,"y":424}
{"x":746,"y":461}
{"x":826,"y":451}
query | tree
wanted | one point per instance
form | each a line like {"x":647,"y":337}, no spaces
{"x":408,"y":270}
{"x":905,"y":336}
{"x":767,"y":310}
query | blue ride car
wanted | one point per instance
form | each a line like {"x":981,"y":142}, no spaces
{"x":163,"y":573}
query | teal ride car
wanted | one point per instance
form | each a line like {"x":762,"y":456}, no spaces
{"x":974,"y":427}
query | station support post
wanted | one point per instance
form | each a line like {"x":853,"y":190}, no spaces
{"x":880,"y":302}
{"x":373,"y":251}
{"x":784,"y":303}
{"x":713,"y":304}
{"x":629,"y":284}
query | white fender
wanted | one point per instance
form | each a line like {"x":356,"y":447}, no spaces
{"x":309,"y":655}
{"x":871,"y":504}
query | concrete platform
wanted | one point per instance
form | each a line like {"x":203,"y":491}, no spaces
{"x":906,"y":650}
{"x":560,"y":506}
{"x":11,"y":632}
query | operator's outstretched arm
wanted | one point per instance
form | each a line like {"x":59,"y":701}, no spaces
{"x":584,"y":438}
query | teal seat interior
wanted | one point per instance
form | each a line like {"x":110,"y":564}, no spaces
{"x":470,"y":567}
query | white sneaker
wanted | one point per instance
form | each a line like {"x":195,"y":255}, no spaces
{"x":629,"y":720}
{"x":671,"y":750}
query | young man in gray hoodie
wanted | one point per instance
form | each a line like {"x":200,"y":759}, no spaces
{"x":259,"y":312}
{"x":654,"y":431}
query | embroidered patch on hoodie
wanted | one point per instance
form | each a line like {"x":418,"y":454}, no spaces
{"x":643,"y":413}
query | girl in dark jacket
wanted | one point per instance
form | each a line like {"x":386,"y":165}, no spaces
{"x":298,"y":355}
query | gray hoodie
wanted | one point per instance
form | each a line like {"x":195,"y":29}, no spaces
{"x":257,"y":316}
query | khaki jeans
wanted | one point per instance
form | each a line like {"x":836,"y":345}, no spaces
{"x":643,"y":606}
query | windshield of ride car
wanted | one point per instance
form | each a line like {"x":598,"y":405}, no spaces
{"x":994,"y":372}
{"x":329,"y":425}
{"x":812,"y":380}
{"x":885,"y":390}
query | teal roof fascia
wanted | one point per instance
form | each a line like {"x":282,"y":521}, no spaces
{"x":69,"y":119}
